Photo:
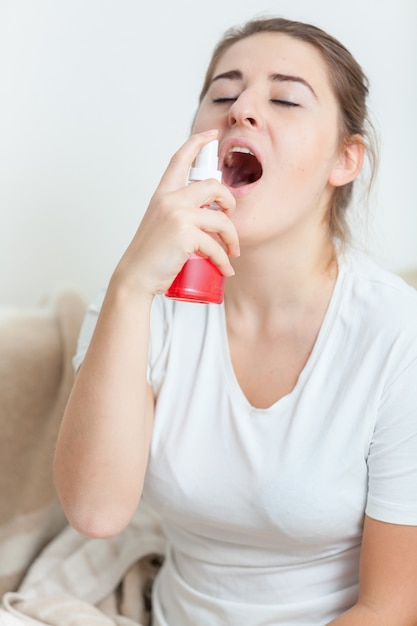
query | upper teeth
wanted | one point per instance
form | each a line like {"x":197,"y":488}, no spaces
{"x":242,"y":149}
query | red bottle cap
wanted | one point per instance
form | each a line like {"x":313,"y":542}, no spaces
{"x":198,"y":281}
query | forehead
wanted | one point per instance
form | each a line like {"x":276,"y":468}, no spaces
{"x":269,"y":53}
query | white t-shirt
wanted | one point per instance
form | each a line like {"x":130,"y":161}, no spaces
{"x":263,"y":508}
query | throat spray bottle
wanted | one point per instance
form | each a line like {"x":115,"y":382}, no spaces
{"x":199,"y":279}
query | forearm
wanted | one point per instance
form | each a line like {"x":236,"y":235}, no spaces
{"x":358,"y":615}
{"x":363,"y":615}
{"x":103,"y":444}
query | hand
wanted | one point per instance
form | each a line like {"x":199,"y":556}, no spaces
{"x":174,"y":226}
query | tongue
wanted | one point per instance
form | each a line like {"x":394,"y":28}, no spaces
{"x":243,"y":176}
{"x":241,"y":170}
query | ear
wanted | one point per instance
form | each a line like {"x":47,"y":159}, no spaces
{"x":349,"y":162}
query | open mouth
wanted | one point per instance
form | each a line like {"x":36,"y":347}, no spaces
{"x":240,"y":167}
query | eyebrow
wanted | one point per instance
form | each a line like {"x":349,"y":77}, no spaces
{"x":276,"y":78}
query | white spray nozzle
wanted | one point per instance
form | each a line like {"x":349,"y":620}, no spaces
{"x":206,"y":163}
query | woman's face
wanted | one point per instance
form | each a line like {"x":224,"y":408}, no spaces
{"x":278,"y":121}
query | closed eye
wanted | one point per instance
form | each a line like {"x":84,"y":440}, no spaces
{"x":223,"y":100}
{"x":285,"y":103}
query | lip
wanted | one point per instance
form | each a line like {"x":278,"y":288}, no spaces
{"x":233,"y":142}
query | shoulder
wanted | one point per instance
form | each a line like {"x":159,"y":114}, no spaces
{"x":377,"y":313}
{"x":380,"y":293}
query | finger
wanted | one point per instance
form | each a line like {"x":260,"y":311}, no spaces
{"x":175,"y":175}
{"x":206,"y":192}
{"x":211,"y":249}
{"x":190,"y":213}
{"x":219,"y":224}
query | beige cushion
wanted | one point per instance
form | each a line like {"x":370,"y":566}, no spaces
{"x":410,"y":277}
{"x":36,"y":375}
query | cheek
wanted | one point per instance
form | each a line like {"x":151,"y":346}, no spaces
{"x":196,"y":125}
{"x":314,"y":151}
{"x":315,"y":135}
{"x":208,"y":117}
{"x":201,"y":120}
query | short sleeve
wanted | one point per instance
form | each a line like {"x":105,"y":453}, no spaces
{"x":160,"y":339}
{"x":392,"y":461}
{"x":161,"y":314}
{"x":87,"y":329}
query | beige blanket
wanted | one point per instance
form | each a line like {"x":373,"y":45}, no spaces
{"x":49,"y":574}
{"x":78,"y":581}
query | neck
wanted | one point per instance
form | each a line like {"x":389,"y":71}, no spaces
{"x":290,"y":280}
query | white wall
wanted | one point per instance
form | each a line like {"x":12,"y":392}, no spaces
{"x":95,"y":95}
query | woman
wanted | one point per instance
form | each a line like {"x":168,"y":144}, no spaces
{"x":276,"y":434}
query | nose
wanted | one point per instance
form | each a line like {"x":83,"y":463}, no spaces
{"x":245,"y":111}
